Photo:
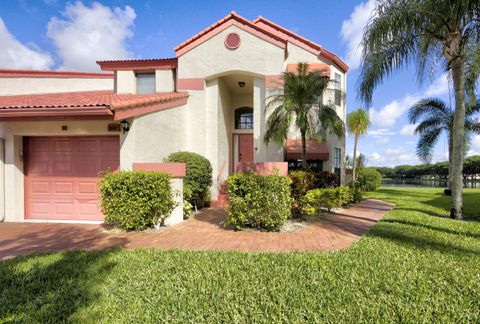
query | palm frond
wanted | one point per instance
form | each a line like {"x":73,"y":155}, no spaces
{"x":428,"y":107}
{"x":426,"y":143}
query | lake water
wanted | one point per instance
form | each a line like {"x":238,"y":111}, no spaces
{"x":424,"y":183}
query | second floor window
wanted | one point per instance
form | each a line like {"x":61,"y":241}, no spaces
{"x":338,"y":89}
{"x":145,"y":83}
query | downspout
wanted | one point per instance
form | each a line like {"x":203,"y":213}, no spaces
{"x":2,"y":180}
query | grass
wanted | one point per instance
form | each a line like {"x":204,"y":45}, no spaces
{"x":413,"y":266}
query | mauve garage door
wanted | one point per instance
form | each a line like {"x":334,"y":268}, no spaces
{"x":61,"y":175}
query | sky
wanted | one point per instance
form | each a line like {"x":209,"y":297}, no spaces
{"x":72,"y":35}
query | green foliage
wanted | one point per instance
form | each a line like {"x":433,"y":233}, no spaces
{"x":325,"y":179}
{"x":302,"y":182}
{"x":136,"y":200}
{"x":258,"y":201}
{"x":328,"y":199}
{"x":187,"y":206}
{"x":369,"y":179}
{"x":198,"y":179}
{"x":297,"y":101}
{"x":357,"y":194}
{"x":358,"y":122}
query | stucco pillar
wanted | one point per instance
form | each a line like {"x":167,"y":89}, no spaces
{"x":2,"y":179}
{"x":211,"y":131}
{"x":260,"y":149}
{"x":128,"y":147}
{"x":14,"y":200}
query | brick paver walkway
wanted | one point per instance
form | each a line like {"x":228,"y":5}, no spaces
{"x":203,"y":232}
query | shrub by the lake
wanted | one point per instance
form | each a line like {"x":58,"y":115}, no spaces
{"x":258,"y":201}
{"x":369,"y":179}
{"x":136,"y":200}
{"x":198,"y":178}
{"x":329,"y":198}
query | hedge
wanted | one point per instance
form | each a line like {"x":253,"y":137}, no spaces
{"x":369,"y":179}
{"x":198,"y":179}
{"x":136,"y":200}
{"x":328,"y":199}
{"x":302,"y":182}
{"x":259,"y":201}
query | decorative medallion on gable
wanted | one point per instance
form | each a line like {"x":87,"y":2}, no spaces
{"x":232,"y":41}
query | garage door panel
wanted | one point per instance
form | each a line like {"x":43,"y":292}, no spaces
{"x":61,"y":181}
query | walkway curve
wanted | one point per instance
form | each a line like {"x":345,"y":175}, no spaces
{"x":203,"y":232}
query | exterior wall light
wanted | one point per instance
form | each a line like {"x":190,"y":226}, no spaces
{"x":125,"y":126}
{"x":241,"y":84}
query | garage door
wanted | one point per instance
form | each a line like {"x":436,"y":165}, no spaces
{"x":61,"y":175}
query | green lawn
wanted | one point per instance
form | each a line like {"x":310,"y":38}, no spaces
{"x":413,"y":266}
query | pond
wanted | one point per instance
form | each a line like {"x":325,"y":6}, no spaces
{"x":428,"y":183}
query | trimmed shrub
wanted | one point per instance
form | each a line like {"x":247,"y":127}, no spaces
{"x":136,"y":200}
{"x":258,"y":201}
{"x":328,"y":198}
{"x":302,"y":182}
{"x":369,"y":179}
{"x":325,"y":179}
{"x":198,"y":179}
{"x":357,"y":195}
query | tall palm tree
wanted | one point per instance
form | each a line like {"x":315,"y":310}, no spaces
{"x":435,"y":117}
{"x":298,"y":101}
{"x":358,"y":123}
{"x":427,"y":32}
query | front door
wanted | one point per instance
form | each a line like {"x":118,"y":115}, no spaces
{"x":245,"y":148}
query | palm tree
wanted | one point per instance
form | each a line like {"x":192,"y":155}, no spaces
{"x":427,"y":32}
{"x":358,"y":123}
{"x":299,"y":101}
{"x":436,"y":117}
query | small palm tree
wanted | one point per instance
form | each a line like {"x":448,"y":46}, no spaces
{"x":298,"y":101}
{"x":436,"y":117}
{"x":358,"y":123}
{"x":427,"y":33}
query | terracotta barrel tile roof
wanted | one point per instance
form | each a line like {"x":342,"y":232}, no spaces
{"x":315,"y":150}
{"x":86,"y":100}
{"x":141,"y":64}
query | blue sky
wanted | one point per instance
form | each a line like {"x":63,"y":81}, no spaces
{"x":54,"y":34}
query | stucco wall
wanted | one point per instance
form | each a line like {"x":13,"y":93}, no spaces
{"x":254,"y":55}
{"x":165,"y":80}
{"x":125,"y":82}
{"x":20,"y":86}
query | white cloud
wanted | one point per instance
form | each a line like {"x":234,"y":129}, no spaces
{"x":15,"y":55}
{"x":375,"y":157}
{"x":382,"y":141}
{"x":438,"y":87}
{"x":408,"y":129}
{"x":352,"y":32}
{"x":388,"y":115}
{"x":380,"y":132}
{"x":87,"y":34}
{"x":474,"y":146}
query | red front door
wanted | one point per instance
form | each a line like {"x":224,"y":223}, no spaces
{"x":245,"y":148}
{"x":61,"y":175}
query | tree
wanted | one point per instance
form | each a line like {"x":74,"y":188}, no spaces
{"x":427,"y":33}
{"x":435,"y":117}
{"x":298,"y":101}
{"x":358,"y":123}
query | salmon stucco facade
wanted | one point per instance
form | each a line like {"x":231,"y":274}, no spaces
{"x":60,"y":130}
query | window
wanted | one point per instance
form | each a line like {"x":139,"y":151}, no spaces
{"x":145,"y":82}
{"x":338,"y":89}
{"x":337,"y":158}
{"x":244,"y":118}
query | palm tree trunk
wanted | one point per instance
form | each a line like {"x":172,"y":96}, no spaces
{"x":354,"y":161}
{"x":304,"y":151}
{"x":458,"y":78}
{"x":450,"y":148}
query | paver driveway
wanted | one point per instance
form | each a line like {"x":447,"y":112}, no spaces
{"x":203,"y":232}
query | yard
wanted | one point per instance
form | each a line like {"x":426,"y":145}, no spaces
{"x":414,"y":265}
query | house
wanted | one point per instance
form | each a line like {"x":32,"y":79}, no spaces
{"x":59,"y":130}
